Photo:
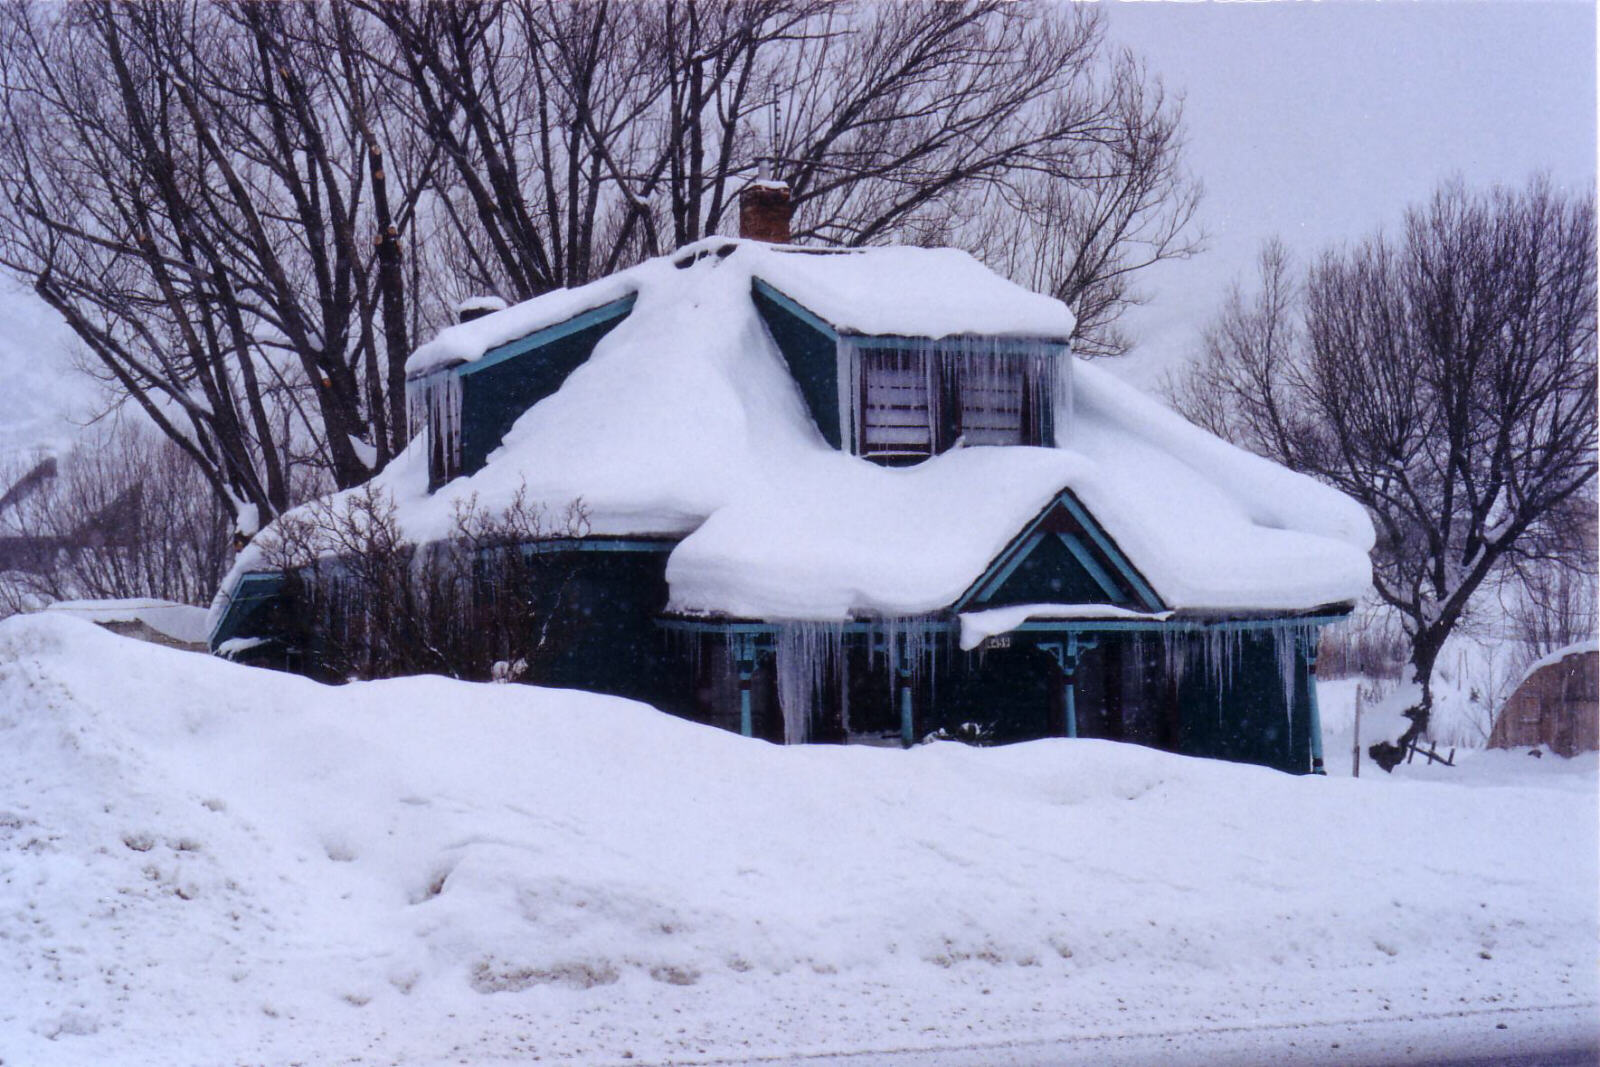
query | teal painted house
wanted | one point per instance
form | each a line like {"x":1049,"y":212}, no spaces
{"x":870,"y":496}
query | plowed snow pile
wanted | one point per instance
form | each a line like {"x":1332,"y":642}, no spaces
{"x":202,"y":863}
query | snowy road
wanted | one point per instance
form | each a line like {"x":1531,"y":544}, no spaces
{"x":1535,"y":1037}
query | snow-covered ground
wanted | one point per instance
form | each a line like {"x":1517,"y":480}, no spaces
{"x":201,"y":863}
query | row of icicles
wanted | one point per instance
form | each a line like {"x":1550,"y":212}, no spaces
{"x":809,"y":659}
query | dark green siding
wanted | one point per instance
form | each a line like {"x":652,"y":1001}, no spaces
{"x":615,"y":646}
{"x":1013,"y":693}
{"x":1049,"y":574}
{"x":250,"y":608}
{"x":493,"y":396}
{"x":1241,"y":717}
{"x":609,"y":642}
{"x":1127,"y":687}
{"x":813,"y":363}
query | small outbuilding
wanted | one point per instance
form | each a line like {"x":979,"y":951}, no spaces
{"x":1557,"y":704}
{"x":161,"y":622}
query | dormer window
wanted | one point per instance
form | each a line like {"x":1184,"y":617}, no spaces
{"x":995,"y":406}
{"x":914,"y":399}
{"x":899,"y":399}
{"x":467,"y":404}
{"x":899,"y":418}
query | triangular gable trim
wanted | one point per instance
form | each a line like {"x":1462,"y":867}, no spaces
{"x":616,"y":309}
{"x":1100,"y":558}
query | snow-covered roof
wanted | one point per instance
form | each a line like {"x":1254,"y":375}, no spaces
{"x":468,"y":341}
{"x":181,"y":622}
{"x":908,"y":292}
{"x":1209,"y":526}
{"x":1587,"y":646}
{"x":685,"y":423}
{"x":911,"y":292}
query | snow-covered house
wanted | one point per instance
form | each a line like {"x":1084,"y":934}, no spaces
{"x":869,"y":494}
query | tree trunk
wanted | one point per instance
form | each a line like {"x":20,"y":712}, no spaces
{"x":1425,"y":649}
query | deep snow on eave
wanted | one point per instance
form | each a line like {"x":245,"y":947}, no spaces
{"x":916,"y":292}
{"x":466,"y":342}
{"x":909,"y":292}
{"x":1209,"y":526}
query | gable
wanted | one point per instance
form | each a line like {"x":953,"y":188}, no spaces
{"x":1061,"y":557}
{"x":808,"y":346}
{"x":497,"y":390}
{"x":469,"y":406}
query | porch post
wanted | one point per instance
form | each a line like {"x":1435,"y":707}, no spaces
{"x":1069,"y":684}
{"x":1065,"y":653}
{"x":907,"y":723}
{"x":1311,"y":642}
{"x":1069,"y":697}
{"x":746,"y":669}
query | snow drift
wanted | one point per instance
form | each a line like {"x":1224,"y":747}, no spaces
{"x":202,"y":863}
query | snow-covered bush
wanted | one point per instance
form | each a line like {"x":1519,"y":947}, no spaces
{"x":360,"y":600}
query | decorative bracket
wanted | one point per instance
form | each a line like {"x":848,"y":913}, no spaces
{"x":1066,"y":654}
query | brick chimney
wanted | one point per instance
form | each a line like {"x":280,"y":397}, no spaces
{"x":476,"y":307}
{"x":764,"y":211}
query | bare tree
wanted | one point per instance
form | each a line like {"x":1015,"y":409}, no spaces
{"x":124,"y":514}
{"x":205,"y":194}
{"x":586,"y":137}
{"x":1446,"y":379}
{"x":1093,"y":217}
{"x":1552,"y":597}
{"x":216,"y":195}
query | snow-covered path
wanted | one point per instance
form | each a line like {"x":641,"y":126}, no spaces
{"x":201,"y":863}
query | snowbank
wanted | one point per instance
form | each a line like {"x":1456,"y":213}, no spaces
{"x":204,"y":863}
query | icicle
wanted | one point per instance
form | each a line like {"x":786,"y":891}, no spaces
{"x":806,"y":653}
{"x":433,"y":401}
{"x":1175,"y":652}
{"x":1285,"y":648}
{"x":1290,"y":641}
{"x":1008,"y":391}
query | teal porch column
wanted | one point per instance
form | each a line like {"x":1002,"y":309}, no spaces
{"x":1309,"y":643}
{"x":1066,"y":653}
{"x":746,"y":656}
{"x":907,"y":720}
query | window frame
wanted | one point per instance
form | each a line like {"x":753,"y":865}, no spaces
{"x":947,"y":368}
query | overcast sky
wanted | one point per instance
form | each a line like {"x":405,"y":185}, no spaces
{"x":1314,"y":121}
{"x":1319,"y":122}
